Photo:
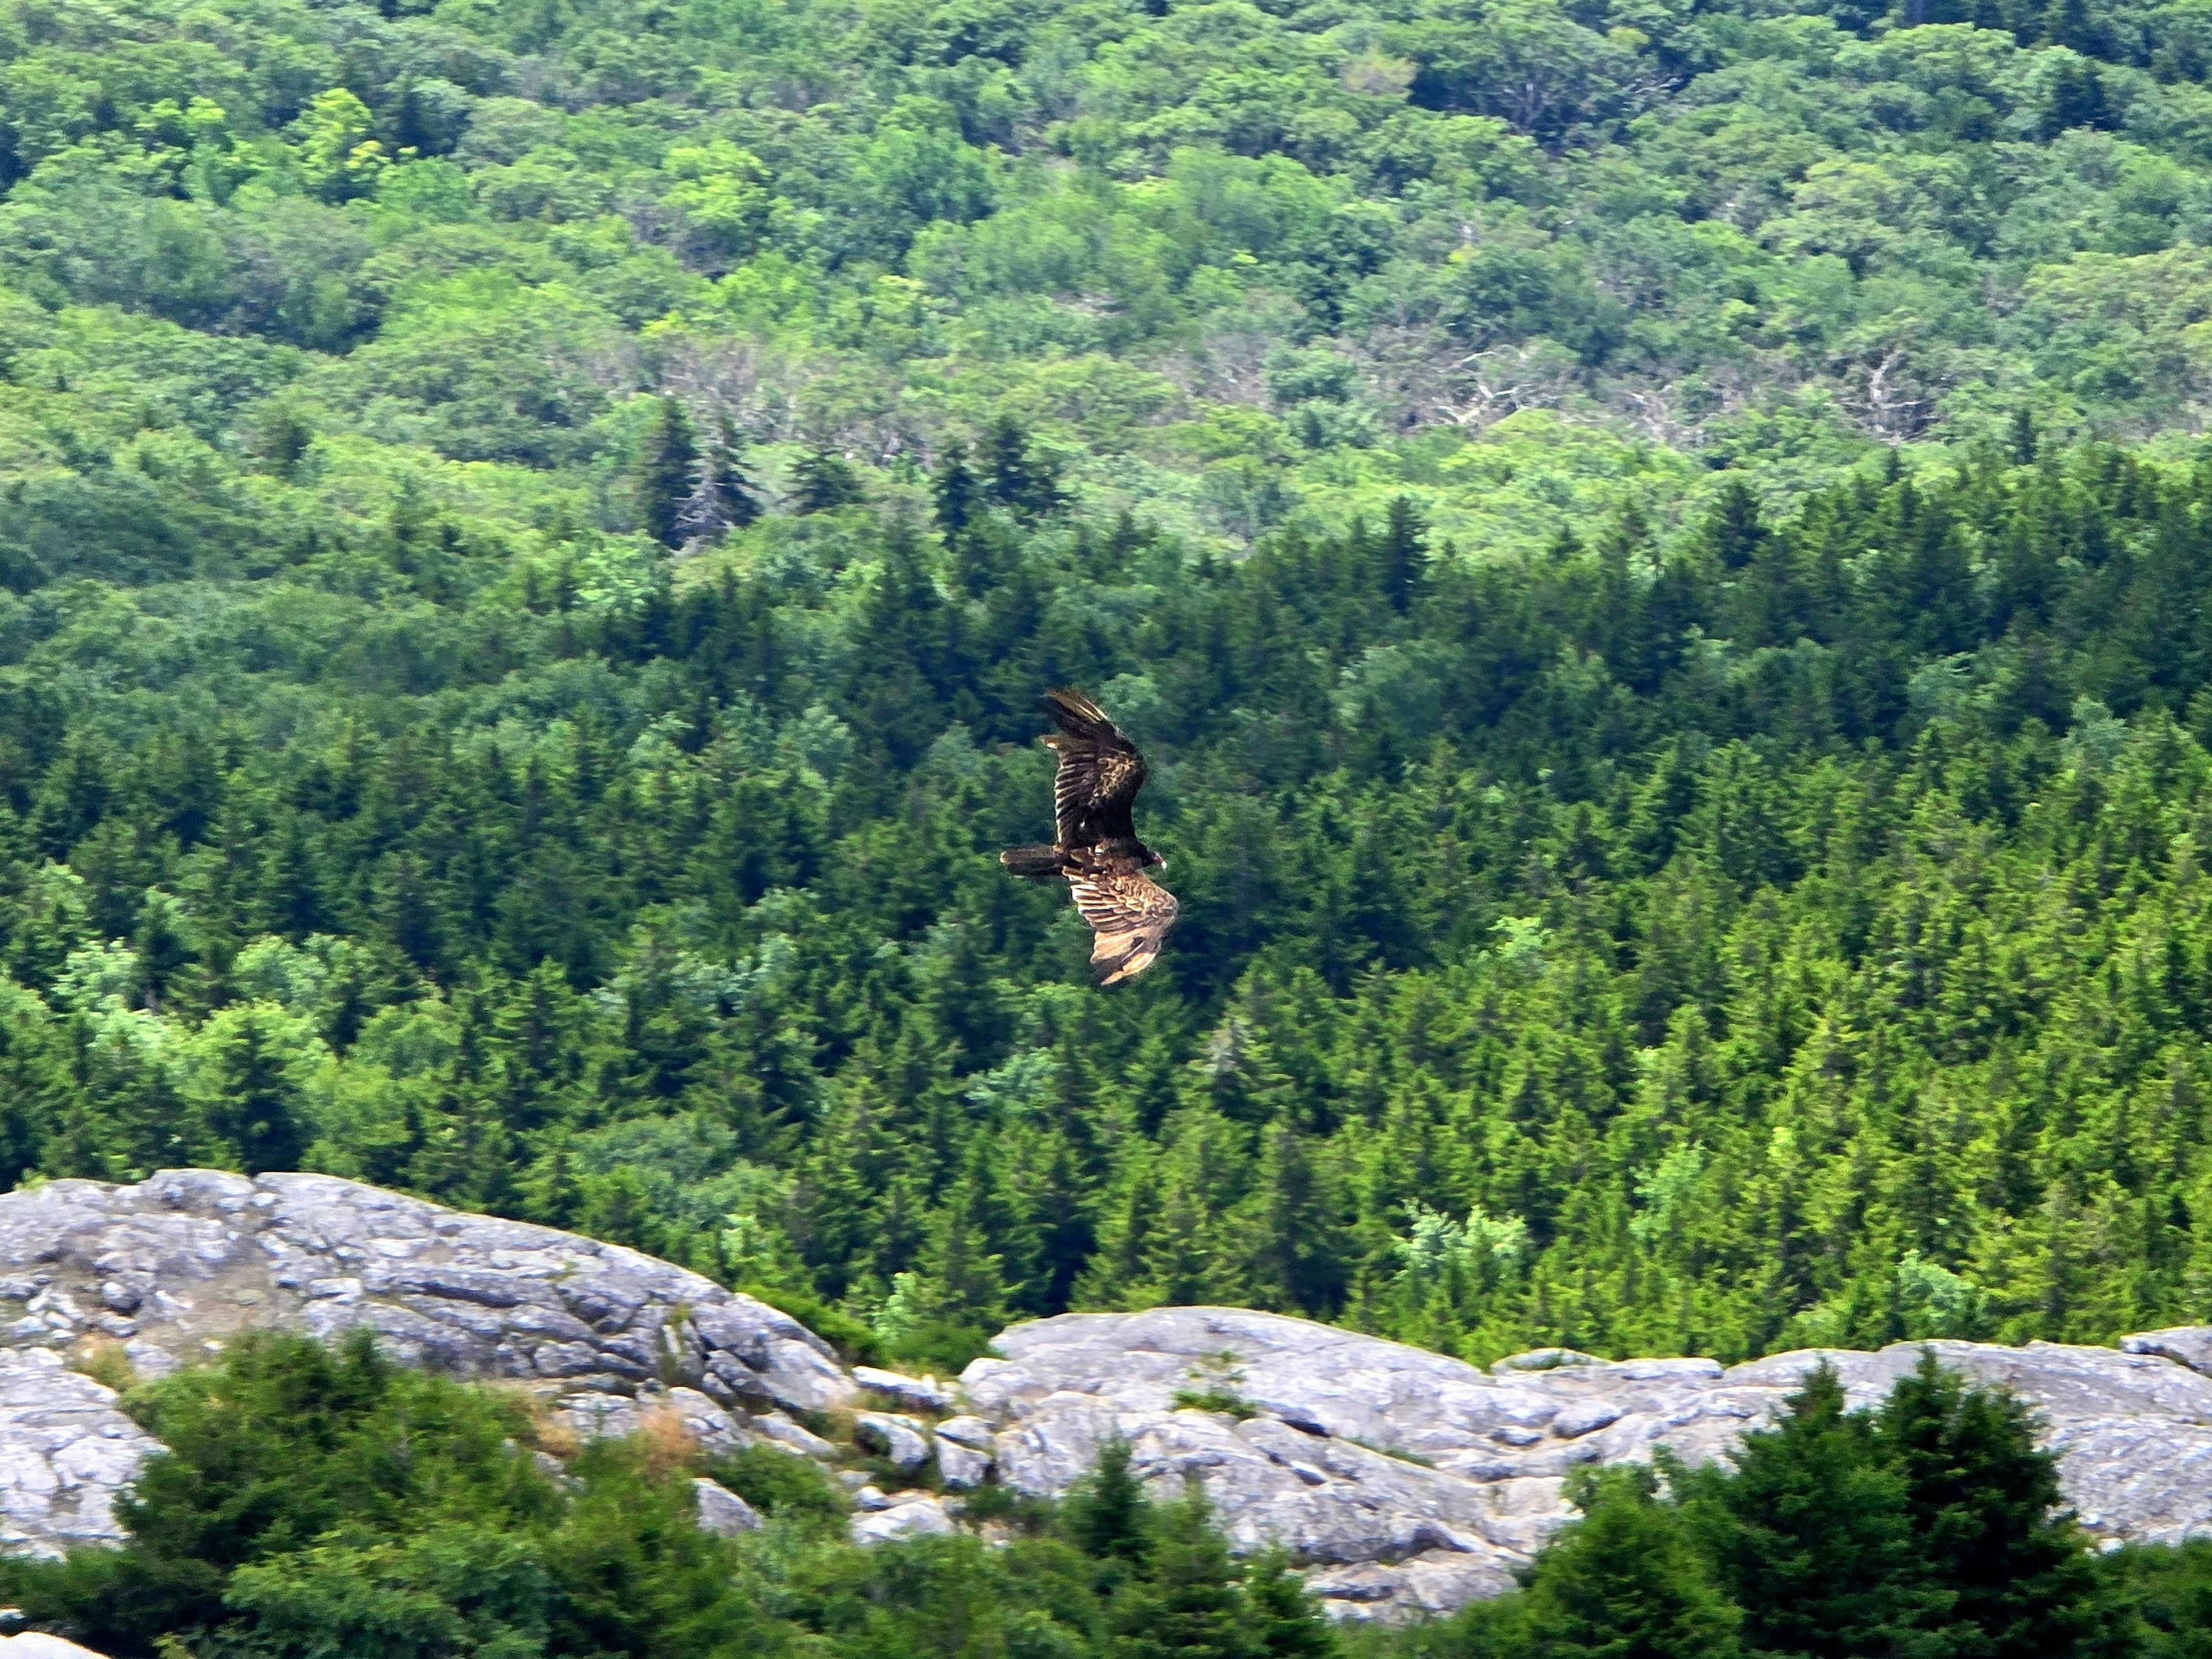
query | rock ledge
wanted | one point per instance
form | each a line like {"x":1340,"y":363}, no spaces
{"x":1404,"y":1481}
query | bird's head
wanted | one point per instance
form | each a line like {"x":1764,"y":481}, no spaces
{"x":1155,"y":860}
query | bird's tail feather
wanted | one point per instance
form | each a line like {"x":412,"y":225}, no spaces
{"x":1038,"y":863}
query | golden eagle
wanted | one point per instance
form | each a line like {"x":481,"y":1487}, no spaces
{"x":1097,"y":849}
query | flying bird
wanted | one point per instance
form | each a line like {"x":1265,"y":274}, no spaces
{"x":1096,"y":849}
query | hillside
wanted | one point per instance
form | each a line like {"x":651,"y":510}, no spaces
{"x":1660,"y":556}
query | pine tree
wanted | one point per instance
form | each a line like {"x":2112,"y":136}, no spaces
{"x":963,"y":1279}
{"x":824,"y":481}
{"x":1298,"y":1261}
{"x":1984,"y":1506}
{"x":2077,"y":99}
{"x":1108,"y":1518}
{"x":1190,"y":1604}
{"x":1283,"y":1616}
{"x":161,"y":949}
{"x":954,"y":490}
{"x":1626,"y":1581}
{"x":1812,"y":1534}
{"x":254,"y":1107}
{"x":1022,"y":481}
{"x":1734,"y":531}
{"x":662,"y":477}
{"x":1403,"y":554}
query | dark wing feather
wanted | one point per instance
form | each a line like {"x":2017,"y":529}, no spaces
{"x":1100,"y":772}
{"x":1131,"y":916}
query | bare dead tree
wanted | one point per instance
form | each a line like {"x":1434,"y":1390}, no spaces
{"x":1889,"y":406}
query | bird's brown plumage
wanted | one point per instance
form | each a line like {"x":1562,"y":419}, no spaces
{"x":1096,"y":848}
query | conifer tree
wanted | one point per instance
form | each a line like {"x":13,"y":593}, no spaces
{"x":1987,"y":1517}
{"x":663,"y":476}
{"x":953,"y":487}
{"x":1110,"y":1518}
{"x":1283,"y":1616}
{"x":1190,"y":1603}
{"x":1812,"y":1534}
{"x":824,"y":481}
{"x":1626,"y":1580}
{"x":254,"y":1104}
{"x":1404,"y":554}
{"x":1021,"y":480}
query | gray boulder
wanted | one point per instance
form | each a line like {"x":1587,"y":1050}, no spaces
{"x":1410,"y":1482}
{"x":899,"y":1439}
{"x":961,"y":1469}
{"x":66,"y":1453}
{"x":178,"y":1264}
{"x":1404,"y":1481}
{"x":777,"y":1429}
{"x":708,"y":1425}
{"x":32,"y":1645}
{"x":908,"y":1514}
{"x":913,"y":1394}
{"x":722,"y":1512}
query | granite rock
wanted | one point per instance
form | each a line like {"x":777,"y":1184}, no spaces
{"x":907,"y":1515}
{"x":66,"y":1453}
{"x":195,"y":1257}
{"x":960,"y":1467}
{"x":707,"y":1424}
{"x":722,"y":1512}
{"x":913,"y":1394}
{"x":176,"y":1266}
{"x":900,"y":1440}
{"x":1408,"y":1482}
{"x":32,"y":1645}
{"x":1403,"y":1481}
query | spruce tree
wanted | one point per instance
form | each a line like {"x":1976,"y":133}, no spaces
{"x":1109,"y":1516}
{"x":954,"y":489}
{"x":722,"y":497}
{"x":1021,"y":481}
{"x":1190,"y":1603}
{"x":1626,"y":1581}
{"x":1986,"y":1514}
{"x":1404,"y":554}
{"x":1812,"y":1536}
{"x":663,"y":476}
{"x":1283,"y":1617}
{"x":824,"y":481}
{"x":1734,"y":531}
{"x":254,"y":1107}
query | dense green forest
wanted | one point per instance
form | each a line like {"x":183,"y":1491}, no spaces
{"x":1658,"y":551}
{"x":315,"y":1506}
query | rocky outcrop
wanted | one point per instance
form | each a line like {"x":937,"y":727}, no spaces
{"x":172,"y":1267}
{"x":1404,"y":1481}
{"x":1412,"y":1482}
{"x":170,"y":1270}
{"x":66,"y":1453}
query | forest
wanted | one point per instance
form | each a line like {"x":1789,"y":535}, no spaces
{"x":1659,"y":551}
{"x":1659,"y":554}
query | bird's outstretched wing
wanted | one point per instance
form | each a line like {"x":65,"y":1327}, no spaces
{"x":1100,"y":772}
{"x":1131,"y":916}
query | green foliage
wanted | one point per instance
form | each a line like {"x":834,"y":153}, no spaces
{"x":331,"y":1505}
{"x":782,"y":1486}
